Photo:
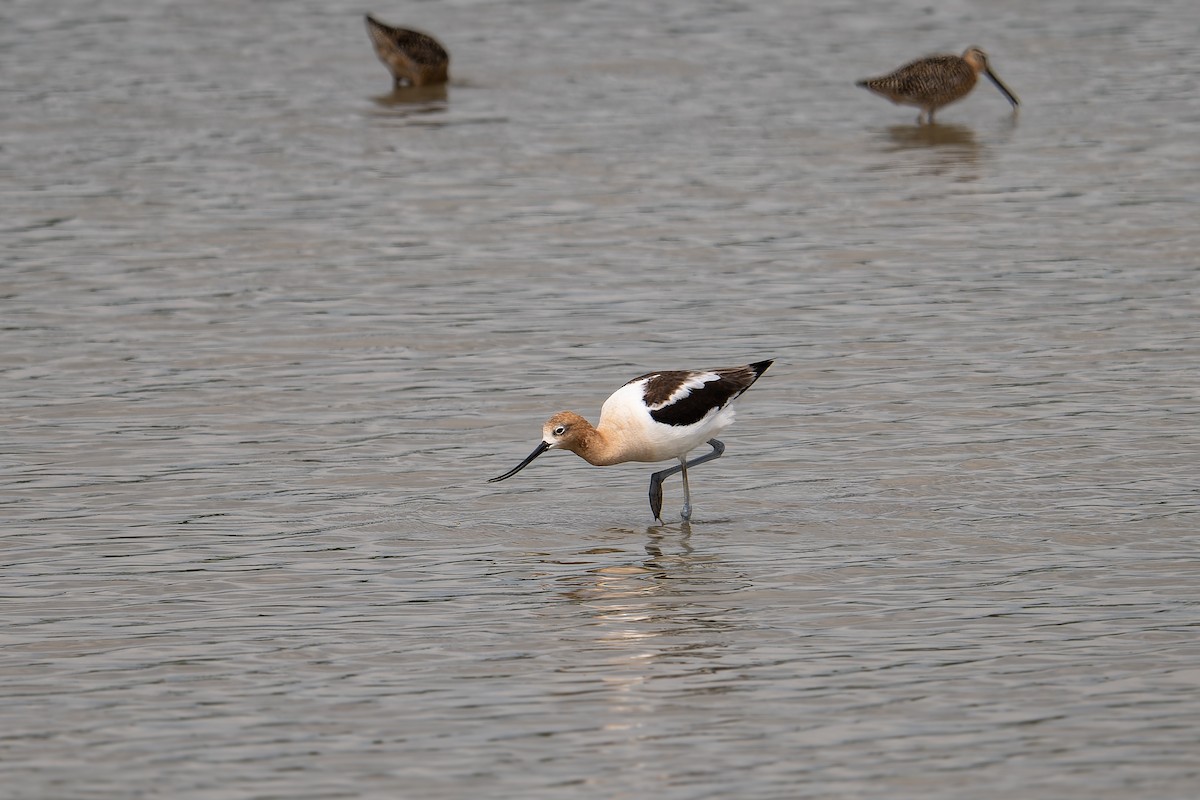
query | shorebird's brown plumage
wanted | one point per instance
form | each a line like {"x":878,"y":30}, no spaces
{"x":935,"y":81}
{"x":413,"y":58}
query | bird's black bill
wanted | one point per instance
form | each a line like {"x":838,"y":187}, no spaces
{"x":1012,"y":98}
{"x":537,"y":451}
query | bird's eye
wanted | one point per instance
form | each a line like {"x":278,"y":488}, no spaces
{"x":559,"y":430}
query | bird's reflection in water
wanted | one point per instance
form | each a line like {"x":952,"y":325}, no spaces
{"x":669,"y":556}
{"x":936,"y":135}
{"x":418,"y":98}
{"x":646,"y":620}
{"x":936,"y":149}
{"x":656,"y":535}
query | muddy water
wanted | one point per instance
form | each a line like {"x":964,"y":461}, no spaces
{"x":267,"y":329}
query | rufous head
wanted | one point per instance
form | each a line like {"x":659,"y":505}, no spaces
{"x":566,"y":430}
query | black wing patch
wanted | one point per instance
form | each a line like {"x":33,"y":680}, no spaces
{"x":690,"y":405}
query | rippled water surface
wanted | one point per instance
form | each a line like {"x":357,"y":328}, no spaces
{"x":267,"y":328}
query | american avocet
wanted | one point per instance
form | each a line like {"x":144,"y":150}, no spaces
{"x":935,"y":81}
{"x":414,"y":58}
{"x":654,"y":417}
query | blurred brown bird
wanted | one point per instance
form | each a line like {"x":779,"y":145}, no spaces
{"x":935,"y":81}
{"x":413,"y":58}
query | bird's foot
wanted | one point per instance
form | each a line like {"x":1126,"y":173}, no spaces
{"x":656,"y":499}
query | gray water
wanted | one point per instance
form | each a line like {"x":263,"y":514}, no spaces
{"x":268,"y":329}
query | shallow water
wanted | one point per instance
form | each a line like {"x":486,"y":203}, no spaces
{"x":268,"y":328}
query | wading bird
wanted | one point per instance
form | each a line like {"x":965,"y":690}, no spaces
{"x":935,"y":81}
{"x":413,"y":58}
{"x":654,"y":417}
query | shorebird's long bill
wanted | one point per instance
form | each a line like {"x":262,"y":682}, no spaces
{"x":537,"y":451}
{"x":1012,"y":98}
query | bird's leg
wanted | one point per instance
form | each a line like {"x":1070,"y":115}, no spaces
{"x":657,"y":478}
{"x":686,"y":512}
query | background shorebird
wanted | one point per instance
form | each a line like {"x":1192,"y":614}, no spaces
{"x":414,"y":58}
{"x":935,"y":81}
{"x":654,"y":417}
